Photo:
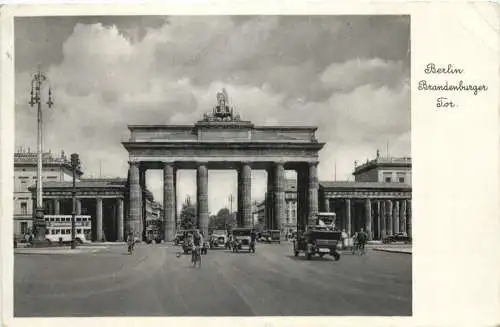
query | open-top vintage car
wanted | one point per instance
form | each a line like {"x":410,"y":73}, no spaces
{"x":318,"y":241}
{"x":242,"y":239}
{"x":187,"y":243}
{"x":218,"y":239}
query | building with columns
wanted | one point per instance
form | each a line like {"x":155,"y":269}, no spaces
{"x":289,"y":222}
{"x":221,"y":140}
{"x":55,"y":168}
{"x":379,"y":199}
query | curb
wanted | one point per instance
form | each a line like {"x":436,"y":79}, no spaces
{"x":60,"y":251}
{"x":393,"y":250}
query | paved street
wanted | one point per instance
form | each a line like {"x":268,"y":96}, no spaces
{"x":154,"y":282}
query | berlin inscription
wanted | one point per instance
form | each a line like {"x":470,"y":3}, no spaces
{"x":445,"y":87}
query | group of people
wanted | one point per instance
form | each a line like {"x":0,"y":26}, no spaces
{"x":359,"y":240}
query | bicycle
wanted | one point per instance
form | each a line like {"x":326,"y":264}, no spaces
{"x":130,"y":248}
{"x":196,"y":256}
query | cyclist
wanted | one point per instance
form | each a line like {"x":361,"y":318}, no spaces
{"x":130,"y":242}
{"x":197,"y":243}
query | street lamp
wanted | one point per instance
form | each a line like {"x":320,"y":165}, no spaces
{"x":36,"y":99}
{"x":75,"y":164}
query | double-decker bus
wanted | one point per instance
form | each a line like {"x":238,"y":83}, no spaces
{"x":59,"y":228}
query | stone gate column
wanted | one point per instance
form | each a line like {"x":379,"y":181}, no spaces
{"x":142,"y":183}
{"x":135,"y":200}
{"x":348,"y":217}
{"x":279,"y":195}
{"x":168,"y":201}
{"x":119,"y":227}
{"x":302,"y":196}
{"x":402,"y":219}
{"x":368,"y":218}
{"x":269,"y":218}
{"x":202,"y":197}
{"x":99,"y":219}
{"x":176,"y":223}
{"x":389,"y":209}
{"x":396,"y":217}
{"x":383,"y":219}
{"x":313,"y":193}
{"x":245,"y":195}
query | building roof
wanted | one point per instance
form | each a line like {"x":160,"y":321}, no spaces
{"x":28,"y":158}
{"x":87,"y":183}
{"x":383,"y":162}
{"x":362,"y":185}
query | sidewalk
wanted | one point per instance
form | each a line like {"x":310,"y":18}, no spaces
{"x":394,"y":249}
{"x":60,"y":250}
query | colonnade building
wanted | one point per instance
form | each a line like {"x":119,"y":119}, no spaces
{"x":55,"y":168}
{"x":379,"y":199}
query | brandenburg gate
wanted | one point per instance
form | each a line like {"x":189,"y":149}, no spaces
{"x":221,"y":140}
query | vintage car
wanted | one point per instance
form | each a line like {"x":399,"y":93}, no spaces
{"x":318,"y":241}
{"x":263,"y":236}
{"x":274,"y":236}
{"x":218,"y":240}
{"x":242,"y":239}
{"x":153,"y":234}
{"x":399,"y":237}
{"x":187,"y":244}
{"x":179,"y":237}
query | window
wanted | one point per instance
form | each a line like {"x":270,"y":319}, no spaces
{"x":387,"y":177}
{"x":24,"y":208}
{"x":24,"y":227}
{"x":401,"y":177}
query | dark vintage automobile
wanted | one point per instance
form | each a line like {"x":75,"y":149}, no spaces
{"x":400,"y":237}
{"x":274,"y":236}
{"x":187,"y":244}
{"x":153,"y":234}
{"x":179,"y":237}
{"x":318,"y":241}
{"x":242,"y":239}
{"x":218,"y":240}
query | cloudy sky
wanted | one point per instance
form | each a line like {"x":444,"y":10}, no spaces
{"x":348,"y":75}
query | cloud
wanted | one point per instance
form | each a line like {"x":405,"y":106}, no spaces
{"x":338,"y":73}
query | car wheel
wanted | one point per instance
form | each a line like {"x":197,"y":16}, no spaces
{"x":336,"y":256}
{"x":78,"y":241}
{"x":296,"y":253}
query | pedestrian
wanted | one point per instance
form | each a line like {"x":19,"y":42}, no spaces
{"x":344,"y":239}
{"x":362,"y":239}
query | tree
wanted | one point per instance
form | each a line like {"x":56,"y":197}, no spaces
{"x":222,"y":220}
{"x":188,"y":215}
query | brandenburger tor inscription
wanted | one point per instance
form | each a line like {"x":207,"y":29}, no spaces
{"x":221,"y":140}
